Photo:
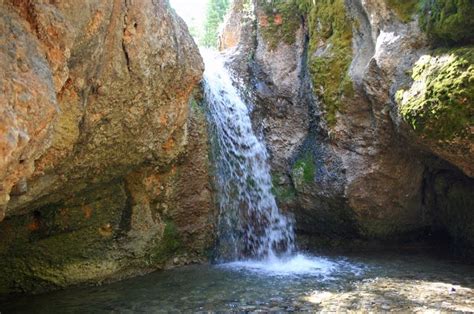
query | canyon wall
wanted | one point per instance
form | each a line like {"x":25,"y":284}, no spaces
{"x":104,"y":160}
{"x":367,"y":110}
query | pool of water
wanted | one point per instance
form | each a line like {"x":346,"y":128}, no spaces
{"x":304,"y":283}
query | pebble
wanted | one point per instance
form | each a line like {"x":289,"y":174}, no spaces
{"x":385,"y":307}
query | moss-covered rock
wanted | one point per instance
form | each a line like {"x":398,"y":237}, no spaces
{"x":448,"y":22}
{"x":404,"y":9}
{"x":330,"y":43}
{"x":152,"y":218}
{"x":282,"y":190}
{"x":303,"y":170}
{"x":61,"y":244}
{"x":170,"y":244}
{"x":439,"y":104}
{"x":280,"y":21}
{"x":330,"y":53}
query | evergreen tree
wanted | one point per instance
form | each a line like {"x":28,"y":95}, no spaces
{"x":216,"y":10}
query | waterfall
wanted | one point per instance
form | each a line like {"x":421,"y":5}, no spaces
{"x":250,"y":224}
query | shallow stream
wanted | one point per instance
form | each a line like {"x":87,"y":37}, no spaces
{"x":386,"y":282}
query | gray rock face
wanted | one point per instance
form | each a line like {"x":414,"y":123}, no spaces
{"x":383,"y":171}
{"x":359,"y":173}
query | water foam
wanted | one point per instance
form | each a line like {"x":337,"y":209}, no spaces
{"x":296,"y":265}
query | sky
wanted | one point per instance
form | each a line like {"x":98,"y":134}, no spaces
{"x":193,"y":12}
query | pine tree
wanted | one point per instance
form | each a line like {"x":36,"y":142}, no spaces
{"x":216,"y":10}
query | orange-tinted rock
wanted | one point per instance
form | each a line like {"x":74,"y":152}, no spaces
{"x":94,"y":117}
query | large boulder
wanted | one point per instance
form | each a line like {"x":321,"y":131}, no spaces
{"x":439,"y":105}
{"x":103,"y":164}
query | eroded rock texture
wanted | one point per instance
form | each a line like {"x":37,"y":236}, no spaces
{"x":103,"y":165}
{"x":346,"y":161}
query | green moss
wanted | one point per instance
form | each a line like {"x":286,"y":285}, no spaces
{"x":283,"y":193}
{"x":439,"y":104}
{"x":274,"y":32}
{"x":404,"y":9}
{"x":330,"y":27}
{"x":193,"y":104}
{"x":448,"y":21}
{"x":330,"y":44}
{"x":169,"y":245}
{"x":304,"y":169}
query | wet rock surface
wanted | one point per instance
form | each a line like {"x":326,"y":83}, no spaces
{"x":345,"y":161}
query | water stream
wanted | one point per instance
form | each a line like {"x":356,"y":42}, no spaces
{"x":252,"y":232}
{"x":368,"y":283}
{"x":250,"y":223}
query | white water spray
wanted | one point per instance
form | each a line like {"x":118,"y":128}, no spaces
{"x":252,"y":233}
{"x":250,"y":223}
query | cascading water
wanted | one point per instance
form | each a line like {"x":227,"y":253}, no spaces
{"x":250,"y":223}
{"x":252,"y":233}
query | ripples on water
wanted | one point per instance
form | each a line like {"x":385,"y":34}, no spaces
{"x":303,"y":283}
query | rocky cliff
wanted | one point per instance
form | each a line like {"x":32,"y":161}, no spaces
{"x":103,"y":156}
{"x":366,"y":107}
{"x":367,"y":110}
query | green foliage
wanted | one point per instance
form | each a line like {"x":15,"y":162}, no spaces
{"x":404,"y":9}
{"x":448,"y":22}
{"x":195,"y":29}
{"x":440,"y":103}
{"x":216,"y":11}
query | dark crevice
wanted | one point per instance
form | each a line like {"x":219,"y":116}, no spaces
{"x":127,"y":58}
{"x":126,"y":219}
{"x":124,"y":48}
